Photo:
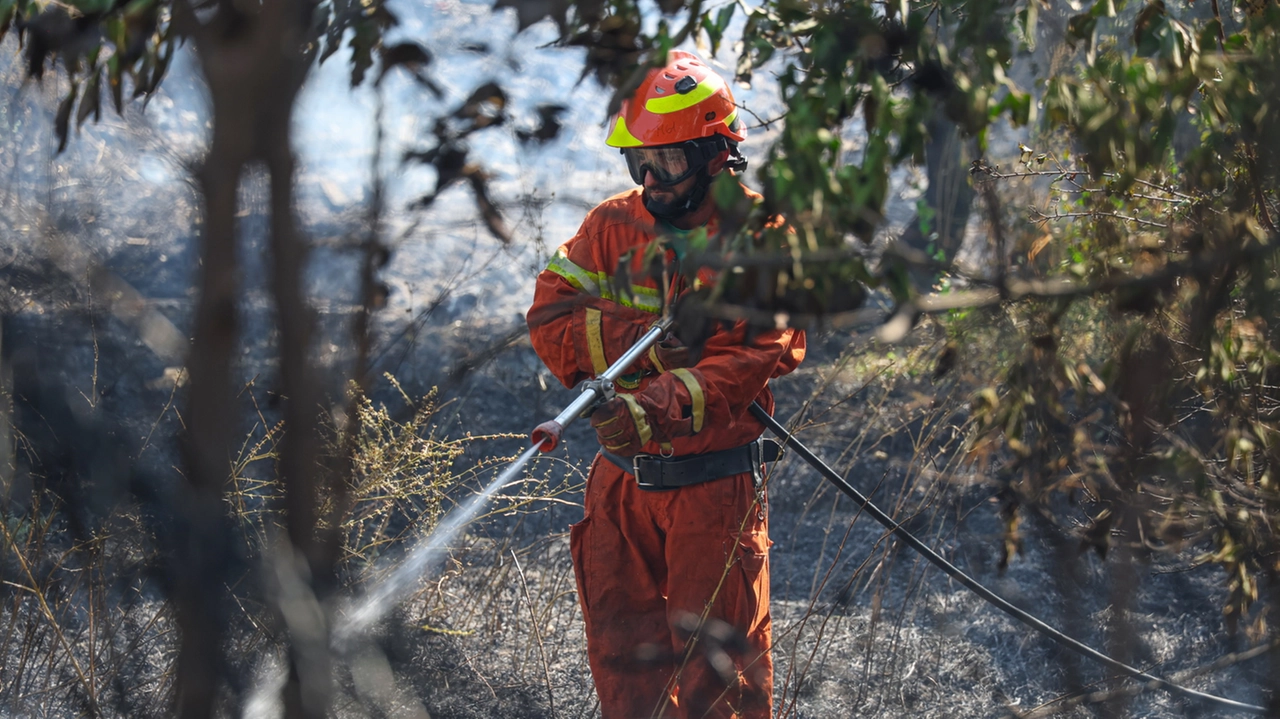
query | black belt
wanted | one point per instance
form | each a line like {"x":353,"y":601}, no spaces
{"x":655,"y":472}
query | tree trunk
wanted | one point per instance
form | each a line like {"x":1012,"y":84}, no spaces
{"x":949,"y":197}
{"x":255,"y":65}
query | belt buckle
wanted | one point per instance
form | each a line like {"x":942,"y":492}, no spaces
{"x":635,"y":472}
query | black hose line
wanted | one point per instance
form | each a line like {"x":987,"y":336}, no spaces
{"x":991,"y":597}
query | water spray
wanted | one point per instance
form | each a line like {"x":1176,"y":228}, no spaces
{"x":388,"y":592}
{"x":419,"y":562}
{"x":422,"y":559}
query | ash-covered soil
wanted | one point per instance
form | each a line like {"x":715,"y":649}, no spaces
{"x":863,"y":627}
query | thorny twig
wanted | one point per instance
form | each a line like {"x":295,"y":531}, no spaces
{"x":1069,"y":174}
{"x":34,"y":588}
{"x":537,"y":633}
{"x":1042,"y":218}
{"x":763,"y":123}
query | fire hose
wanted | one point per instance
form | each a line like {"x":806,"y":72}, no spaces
{"x":546,"y":437}
{"x":789,"y":440}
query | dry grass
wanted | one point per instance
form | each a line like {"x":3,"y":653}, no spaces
{"x":860,"y":626}
{"x":86,"y":628}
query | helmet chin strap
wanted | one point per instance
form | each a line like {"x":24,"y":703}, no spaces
{"x":681,"y":206}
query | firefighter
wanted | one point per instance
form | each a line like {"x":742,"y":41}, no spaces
{"x":671,"y":556}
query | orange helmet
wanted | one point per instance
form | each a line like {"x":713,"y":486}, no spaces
{"x":686,"y":100}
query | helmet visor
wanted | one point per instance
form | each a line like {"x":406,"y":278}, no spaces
{"x":669,"y":165}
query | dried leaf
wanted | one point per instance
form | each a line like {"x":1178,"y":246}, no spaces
{"x":487,"y":101}
{"x":409,"y":55}
{"x":488,"y":211}
{"x":116,"y":82}
{"x":48,"y":33}
{"x":946,"y":360}
{"x":162,"y":66}
{"x":529,"y":12}
{"x":550,"y":126}
{"x":63,"y":121}
{"x":91,"y":102}
{"x":1038,"y":246}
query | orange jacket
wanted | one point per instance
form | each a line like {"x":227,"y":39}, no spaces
{"x":582,"y":282}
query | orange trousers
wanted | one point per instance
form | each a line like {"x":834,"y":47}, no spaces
{"x":674,"y":587}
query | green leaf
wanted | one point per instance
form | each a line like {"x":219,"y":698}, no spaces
{"x":8,"y":8}
{"x":116,"y":80}
{"x":136,"y":9}
{"x":1017,"y":104}
{"x":1030,"y":17}
{"x":715,"y":28}
{"x":727,"y":191}
{"x":714,"y":34}
{"x":363,"y":42}
{"x":1148,"y":27}
{"x":116,"y":34}
{"x":91,"y":7}
{"x":1081,"y":27}
{"x":724,"y":16}
{"x":1102,"y":8}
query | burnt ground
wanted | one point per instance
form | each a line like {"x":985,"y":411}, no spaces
{"x":863,"y":627}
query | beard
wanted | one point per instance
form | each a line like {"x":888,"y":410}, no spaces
{"x":681,"y":205}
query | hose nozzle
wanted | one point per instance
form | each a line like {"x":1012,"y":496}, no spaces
{"x":547,"y":435}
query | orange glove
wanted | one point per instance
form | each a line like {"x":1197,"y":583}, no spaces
{"x":662,"y":411}
{"x":667,"y":354}
{"x":621,"y":425}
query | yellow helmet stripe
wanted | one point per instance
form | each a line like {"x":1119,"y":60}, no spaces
{"x":621,"y":136}
{"x":676,"y":103}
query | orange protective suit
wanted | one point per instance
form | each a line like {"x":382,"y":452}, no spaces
{"x":674,"y":585}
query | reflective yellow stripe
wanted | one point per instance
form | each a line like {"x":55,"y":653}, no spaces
{"x":728,"y":121}
{"x":646,"y":298}
{"x":653,"y":359}
{"x":677,"y":102}
{"x":595,"y":341}
{"x":695,"y":395}
{"x":582,"y":279}
{"x":642,"y":298}
{"x":638,"y":415}
{"x":597,"y":284}
{"x":621,"y":136}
